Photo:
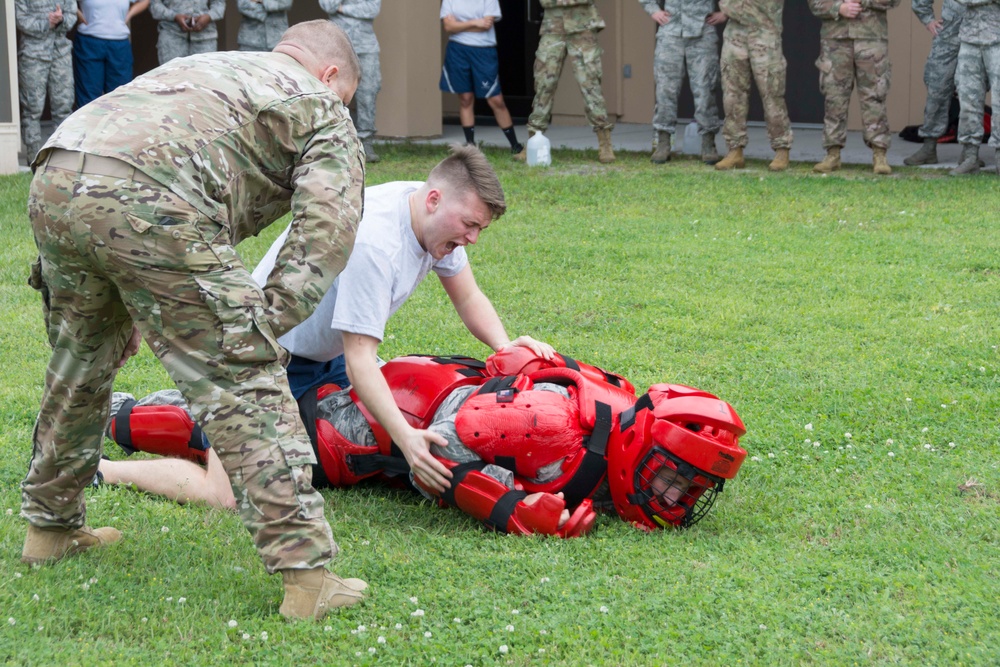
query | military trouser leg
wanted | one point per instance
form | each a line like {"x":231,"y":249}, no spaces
{"x":873,"y":74}
{"x":702,"y":55}
{"x":668,"y":72}
{"x":170,"y":45}
{"x":735,"y":67}
{"x":32,"y":84}
{"x":972,"y":80}
{"x":585,"y":54}
{"x":939,"y":77}
{"x":549,"y":59}
{"x":836,"y":81}
{"x":61,"y":88}
{"x":199,"y":310}
{"x":364,"y":99}
{"x":769,"y":71}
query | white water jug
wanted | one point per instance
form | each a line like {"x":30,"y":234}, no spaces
{"x":539,"y":151}
{"x":692,"y":141}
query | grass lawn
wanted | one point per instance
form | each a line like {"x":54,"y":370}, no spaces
{"x":851,"y":321}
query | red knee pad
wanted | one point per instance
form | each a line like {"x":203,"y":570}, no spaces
{"x":159,"y":429}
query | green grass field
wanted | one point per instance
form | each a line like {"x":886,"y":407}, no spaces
{"x":851,"y":321}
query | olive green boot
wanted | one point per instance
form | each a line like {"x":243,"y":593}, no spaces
{"x":969,"y":162}
{"x":830,"y":163}
{"x":709,"y":153}
{"x":926,"y":155}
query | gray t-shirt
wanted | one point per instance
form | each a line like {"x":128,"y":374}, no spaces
{"x":105,"y":18}
{"x":466,"y":10}
{"x":385,"y":268}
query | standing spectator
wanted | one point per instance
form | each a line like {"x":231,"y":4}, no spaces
{"x":102,"y":51}
{"x":686,"y":32}
{"x":262,"y":22}
{"x":939,"y":74}
{"x":978,"y":69}
{"x":751,"y":44}
{"x":357,"y":18}
{"x":186,"y":27}
{"x":570,"y":27}
{"x":471,"y":66}
{"x":194,"y":157}
{"x":854,"y":50}
{"x":44,"y":65}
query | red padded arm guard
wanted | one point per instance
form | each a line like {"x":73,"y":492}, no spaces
{"x":159,"y":429}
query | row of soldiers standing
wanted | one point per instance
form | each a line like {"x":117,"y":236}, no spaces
{"x":186,"y":27}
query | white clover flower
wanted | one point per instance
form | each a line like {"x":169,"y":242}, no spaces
{"x":457,"y":619}
{"x":509,"y":628}
{"x":170,"y":599}
{"x":924,"y":430}
{"x":545,"y":580}
{"x":354,"y":632}
{"x":891,"y":454}
{"x":848,"y":435}
{"x":849,"y":447}
{"x":372,"y":649}
{"x":762,"y":626}
{"x":755,"y":458}
{"x":541,"y":650}
{"x":362,"y":628}
{"x":889,"y":442}
{"x":85,"y":586}
{"x":543,"y":632}
{"x":357,"y":654}
{"x":10,"y":512}
{"x":515,"y":612}
{"x":927,"y":446}
{"x":418,"y":612}
{"x":35,"y":597}
{"x":951,"y":444}
{"x":944,"y":405}
{"x":246,"y":636}
{"x":263,"y":636}
{"x":982,"y":369}
{"x":909,"y":400}
{"x":144,"y":619}
{"x":17,"y":575}
{"x":164,"y":530}
{"x":413,"y":600}
{"x":868,"y":507}
{"x":604,"y":609}
{"x":381,"y":640}
{"x":428,"y":634}
{"x":327,"y":628}
{"x":808,"y":440}
{"x":233,"y":623}
{"x":770,"y":455}
{"x":503,"y":647}
{"x":809,"y":426}
{"x":399,"y":626}
{"x":11,"y":621}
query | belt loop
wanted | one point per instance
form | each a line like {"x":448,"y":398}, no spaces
{"x":80,"y":158}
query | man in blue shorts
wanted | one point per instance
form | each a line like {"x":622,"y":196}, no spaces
{"x":471,"y":65}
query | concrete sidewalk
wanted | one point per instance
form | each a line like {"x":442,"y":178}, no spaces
{"x":806,"y":147}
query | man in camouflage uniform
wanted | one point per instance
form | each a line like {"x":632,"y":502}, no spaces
{"x":357,"y":18}
{"x":686,"y":32}
{"x":44,"y":65}
{"x":939,"y":74}
{"x":978,"y":68}
{"x":751,"y":44}
{"x":262,"y":22}
{"x":571,"y":27}
{"x":137,"y":205}
{"x":854,"y":48}
{"x":186,"y":27}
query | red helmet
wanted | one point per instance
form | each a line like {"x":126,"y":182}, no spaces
{"x":671,"y":456}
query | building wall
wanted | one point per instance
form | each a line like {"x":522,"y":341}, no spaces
{"x":10,"y":131}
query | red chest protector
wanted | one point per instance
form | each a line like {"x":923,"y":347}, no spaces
{"x":513,"y":425}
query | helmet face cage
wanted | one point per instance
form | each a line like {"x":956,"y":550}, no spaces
{"x":672,"y":492}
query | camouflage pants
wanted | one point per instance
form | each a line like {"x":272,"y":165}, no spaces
{"x":844,"y":63}
{"x":702,"y":56}
{"x":746,"y":53}
{"x":939,"y":77}
{"x":585,"y":53}
{"x":36,"y":78}
{"x":116,"y":251}
{"x":170,"y":45}
{"x":978,"y":68}
{"x":364,"y":98}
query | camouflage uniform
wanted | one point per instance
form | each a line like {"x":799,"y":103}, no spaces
{"x":174,"y":42}
{"x":685,"y":37}
{"x":357,"y":17}
{"x":751,"y":43}
{"x":44,"y":65}
{"x":262,"y":23}
{"x":939,"y":72}
{"x":854,"y":51}
{"x":236,"y":141}
{"x":569,"y":27}
{"x":978,"y":65}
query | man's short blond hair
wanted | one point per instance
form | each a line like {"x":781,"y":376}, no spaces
{"x":467,"y":170}
{"x":327,"y":43}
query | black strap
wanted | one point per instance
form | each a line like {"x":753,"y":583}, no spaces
{"x":594,"y":466}
{"x":498,"y":518}
{"x":366,"y":464}
{"x":123,"y":427}
{"x":506,"y":462}
{"x":611,"y":379}
{"x":494,"y":385}
{"x":459,"y":359}
{"x":570,"y":362}
{"x":308,"y":410}
{"x":628,"y":416}
{"x":458,"y":473}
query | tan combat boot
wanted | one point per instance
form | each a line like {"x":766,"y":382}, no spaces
{"x":311,"y":593}
{"x":830,"y":163}
{"x":733,"y":160}
{"x":662,"y":152}
{"x":780,"y":161}
{"x":44,"y":545}
{"x":879,"y":164}
{"x":605,"y":154}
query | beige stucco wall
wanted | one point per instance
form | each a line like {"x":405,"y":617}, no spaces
{"x":10,"y":130}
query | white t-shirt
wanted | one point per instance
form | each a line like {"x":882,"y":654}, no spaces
{"x":466,"y":10}
{"x":385,"y":268}
{"x":105,"y":18}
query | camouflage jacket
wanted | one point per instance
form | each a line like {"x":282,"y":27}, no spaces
{"x":38,"y":39}
{"x":687,"y":17}
{"x":759,"y":14}
{"x":262,"y":22}
{"x":871,"y":23}
{"x":356,"y":17}
{"x":244,"y":138}
{"x":567,"y":17}
{"x":951,"y":17}
{"x":164,"y":11}
{"x":981,"y":23}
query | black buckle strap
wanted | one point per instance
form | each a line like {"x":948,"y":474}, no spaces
{"x":502,"y":511}
{"x":458,"y":473}
{"x":594,"y":466}
{"x":123,"y":427}
{"x":628,"y":416}
{"x":496,"y":385}
{"x":366,"y":464}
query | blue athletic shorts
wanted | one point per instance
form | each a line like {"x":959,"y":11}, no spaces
{"x":304,"y":374}
{"x":470,"y":69}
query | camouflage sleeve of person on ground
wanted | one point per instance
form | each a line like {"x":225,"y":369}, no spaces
{"x":137,"y":204}
{"x":44,"y":65}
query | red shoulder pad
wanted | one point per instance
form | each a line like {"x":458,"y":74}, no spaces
{"x":514,"y":360}
{"x":589,"y":392}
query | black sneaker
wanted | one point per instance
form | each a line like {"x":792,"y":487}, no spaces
{"x":517,"y":148}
